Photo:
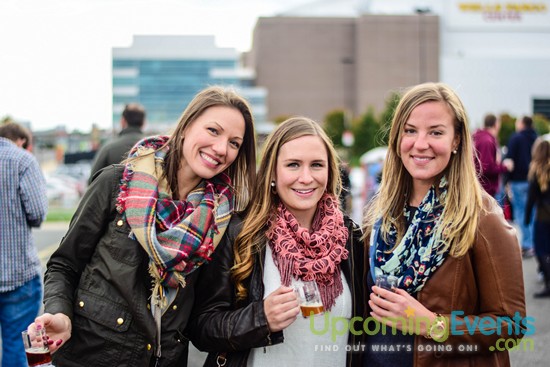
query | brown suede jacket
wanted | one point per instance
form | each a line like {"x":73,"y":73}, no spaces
{"x":478,"y":293}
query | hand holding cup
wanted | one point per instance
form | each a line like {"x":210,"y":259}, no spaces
{"x":36,"y":346}
{"x":310,"y":298}
{"x":385,"y":281}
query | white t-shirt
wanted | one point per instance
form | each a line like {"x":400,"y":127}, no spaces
{"x":306,"y":343}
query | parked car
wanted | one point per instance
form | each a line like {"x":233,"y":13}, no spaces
{"x":62,"y":191}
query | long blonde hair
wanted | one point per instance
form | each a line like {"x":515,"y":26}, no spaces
{"x":251,"y":238}
{"x":463,"y":203}
{"x":539,"y":168}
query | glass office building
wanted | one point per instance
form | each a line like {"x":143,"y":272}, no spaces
{"x":163,"y":73}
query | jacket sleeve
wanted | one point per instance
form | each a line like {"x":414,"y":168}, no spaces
{"x":489,"y":165}
{"x":497,"y":265}
{"x":79,"y":243}
{"x":216,"y":325}
{"x":32,"y":187}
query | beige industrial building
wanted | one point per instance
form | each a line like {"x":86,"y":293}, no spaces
{"x":313,"y":65}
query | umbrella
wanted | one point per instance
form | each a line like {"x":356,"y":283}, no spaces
{"x":374,"y":155}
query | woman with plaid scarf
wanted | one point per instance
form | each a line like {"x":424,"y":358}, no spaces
{"x":119,"y":289}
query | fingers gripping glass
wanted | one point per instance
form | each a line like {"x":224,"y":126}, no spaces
{"x":385,"y":281}
{"x":36,"y":347}
{"x":309,"y":297}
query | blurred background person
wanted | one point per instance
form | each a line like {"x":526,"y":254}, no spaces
{"x":23,"y":205}
{"x":539,"y":199}
{"x":132,"y":122}
{"x":488,"y":163}
{"x":519,"y":153}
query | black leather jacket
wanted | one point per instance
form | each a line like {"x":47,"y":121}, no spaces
{"x":98,"y":277}
{"x":229,"y":329}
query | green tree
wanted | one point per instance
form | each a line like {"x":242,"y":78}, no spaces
{"x":386,"y":118}
{"x":507,"y":128}
{"x":280,"y":119}
{"x":365,"y":131}
{"x":6,"y":119}
{"x":541,"y":124}
{"x":334,"y":126}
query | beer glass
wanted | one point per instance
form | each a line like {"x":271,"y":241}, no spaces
{"x":309,"y":297}
{"x":386,"y":281}
{"x":36,"y":347}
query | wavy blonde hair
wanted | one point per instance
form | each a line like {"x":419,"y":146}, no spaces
{"x":251,"y":238}
{"x":463,"y":203}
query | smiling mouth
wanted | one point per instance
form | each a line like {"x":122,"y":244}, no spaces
{"x":307,"y":191}
{"x":422,"y":159}
{"x":210,"y":159}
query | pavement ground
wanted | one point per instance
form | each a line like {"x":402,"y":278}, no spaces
{"x":531,"y":351}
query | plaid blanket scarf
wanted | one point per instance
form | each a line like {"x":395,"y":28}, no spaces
{"x":178,"y":235}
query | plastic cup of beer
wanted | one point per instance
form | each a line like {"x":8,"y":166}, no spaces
{"x":36,"y":347}
{"x":385,"y":281}
{"x":309,"y":297}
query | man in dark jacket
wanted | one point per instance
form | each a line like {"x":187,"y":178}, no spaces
{"x":519,"y":151}
{"x":488,"y":164}
{"x":132,"y":121}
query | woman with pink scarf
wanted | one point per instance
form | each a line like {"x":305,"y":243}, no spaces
{"x":293,"y":231}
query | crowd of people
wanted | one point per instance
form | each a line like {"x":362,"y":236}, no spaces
{"x":519,"y":179}
{"x":188,"y":237}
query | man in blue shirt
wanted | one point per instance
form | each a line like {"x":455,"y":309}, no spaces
{"x":23,"y":205}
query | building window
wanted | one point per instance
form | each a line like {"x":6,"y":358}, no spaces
{"x":542,"y":106}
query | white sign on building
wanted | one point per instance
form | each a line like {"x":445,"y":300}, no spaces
{"x":498,"y":15}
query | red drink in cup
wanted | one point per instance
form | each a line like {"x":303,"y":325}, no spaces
{"x":36,"y":347}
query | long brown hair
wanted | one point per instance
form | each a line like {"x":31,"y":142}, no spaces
{"x":243,"y":171}
{"x":539,"y":168}
{"x":251,"y":238}
{"x":464,"y":194}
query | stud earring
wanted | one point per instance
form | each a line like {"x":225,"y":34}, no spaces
{"x":455,"y":151}
{"x":273,"y":190}
{"x":272,"y":183}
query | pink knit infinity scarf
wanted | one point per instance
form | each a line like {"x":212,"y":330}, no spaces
{"x":316,"y":255}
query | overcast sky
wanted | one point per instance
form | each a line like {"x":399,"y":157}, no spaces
{"x":55,"y":63}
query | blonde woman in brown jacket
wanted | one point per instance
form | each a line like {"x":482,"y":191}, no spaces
{"x":459,"y":290}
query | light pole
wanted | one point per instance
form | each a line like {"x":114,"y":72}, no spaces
{"x":421,"y":44}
